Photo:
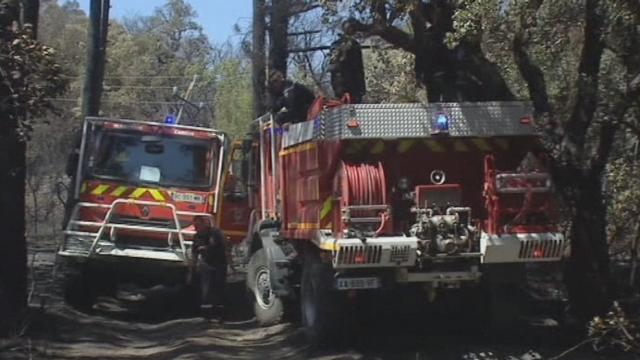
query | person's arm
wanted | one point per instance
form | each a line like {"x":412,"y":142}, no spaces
{"x":192,"y":261}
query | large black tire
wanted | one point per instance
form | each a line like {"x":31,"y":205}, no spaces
{"x":80,"y":288}
{"x":504,"y":304}
{"x":322,"y":307}
{"x":268,"y":308}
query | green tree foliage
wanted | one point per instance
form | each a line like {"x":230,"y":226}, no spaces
{"x":233,"y":98}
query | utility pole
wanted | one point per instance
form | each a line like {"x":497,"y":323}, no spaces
{"x":186,"y":97}
{"x":258,"y":53}
{"x":96,"y":54}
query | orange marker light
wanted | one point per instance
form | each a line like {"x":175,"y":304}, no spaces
{"x":353,"y":124}
{"x":526,"y":120}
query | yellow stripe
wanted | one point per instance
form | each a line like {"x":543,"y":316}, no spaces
{"x":119,"y":191}
{"x":482,"y":144}
{"x":405,"y":145}
{"x":459,"y":145}
{"x":83,"y":189}
{"x":503,"y":143}
{"x":234,"y":232}
{"x":137,"y":193}
{"x":303,"y":226}
{"x":299,"y":148}
{"x":329,"y":246}
{"x":354,"y":147}
{"x":378,"y":148}
{"x":100,"y":189}
{"x":327,"y":206}
{"x":157,"y":195}
{"x":434,"y":146}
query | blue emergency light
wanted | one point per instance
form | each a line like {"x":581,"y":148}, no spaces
{"x":170,"y":119}
{"x":441,"y":124}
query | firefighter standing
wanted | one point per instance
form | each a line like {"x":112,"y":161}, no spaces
{"x":289,"y":100}
{"x":209,"y":259}
{"x":346,"y":66}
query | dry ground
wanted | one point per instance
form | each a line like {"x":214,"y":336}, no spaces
{"x":155,"y":329}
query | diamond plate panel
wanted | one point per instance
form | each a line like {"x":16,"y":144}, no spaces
{"x":392,"y":121}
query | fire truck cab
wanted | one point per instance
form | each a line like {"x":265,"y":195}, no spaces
{"x":138,"y":187}
{"x":361,"y":199}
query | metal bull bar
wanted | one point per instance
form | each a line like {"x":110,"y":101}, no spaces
{"x":107,"y":223}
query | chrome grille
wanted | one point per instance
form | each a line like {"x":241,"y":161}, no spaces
{"x":359,"y":254}
{"x":399,"y":254}
{"x":541,"y":249}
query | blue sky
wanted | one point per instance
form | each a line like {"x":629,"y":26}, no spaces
{"x":216,"y":16}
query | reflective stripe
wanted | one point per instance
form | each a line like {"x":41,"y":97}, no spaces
{"x":234,"y":232}
{"x":83,"y":189}
{"x":354,"y":147}
{"x":503,"y":143}
{"x":327,"y":206}
{"x":119,"y":191}
{"x":137,"y":193}
{"x":100,"y":189}
{"x":482,"y":144}
{"x":299,"y":148}
{"x":303,"y":226}
{"x":157,"y":195}
{"x":434,"y":146}
{"x":459,"y":145}
{"x":330,"y":246}
{"x":405,"y":145}
{"x":378,"y":148}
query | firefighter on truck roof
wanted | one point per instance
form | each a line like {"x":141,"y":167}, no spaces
{"x":288,"y":100}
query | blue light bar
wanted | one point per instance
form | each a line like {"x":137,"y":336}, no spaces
{"x":441,"y":125}
{"x":170,"y":119}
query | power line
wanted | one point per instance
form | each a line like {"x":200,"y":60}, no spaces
{"x":120,"y":101}
{"x":106,"y":87}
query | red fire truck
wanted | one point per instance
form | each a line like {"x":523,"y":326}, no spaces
{"x":138,"y":187}
{"x":367,"y":198}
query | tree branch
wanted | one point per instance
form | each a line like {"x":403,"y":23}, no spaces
{"x":302,"y":6}
{"x":388,"y":33}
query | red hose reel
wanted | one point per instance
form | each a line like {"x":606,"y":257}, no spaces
{"x":363,"y":195}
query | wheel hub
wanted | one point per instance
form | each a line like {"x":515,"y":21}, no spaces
{"x":263,"y":292}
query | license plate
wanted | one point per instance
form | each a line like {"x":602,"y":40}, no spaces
{"x":358,"y":283}
{"x":187,"y":197}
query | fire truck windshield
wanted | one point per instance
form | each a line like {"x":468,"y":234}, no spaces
{"x":164,"y":160}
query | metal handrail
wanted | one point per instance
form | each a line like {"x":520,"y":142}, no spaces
{"x":106,"y":222}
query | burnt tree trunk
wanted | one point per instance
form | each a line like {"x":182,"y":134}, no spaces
{"x":258,"y":58}
{"x":577,"y":173}
{"x":278,"y":35}
{"x":13,"y":256}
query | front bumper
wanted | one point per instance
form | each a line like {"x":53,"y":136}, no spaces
{"x":79,"y":248}
{"x":520,"y":248}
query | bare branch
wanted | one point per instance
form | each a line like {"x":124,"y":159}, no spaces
{"x":302,"y":6}
{"x":308,"y":32}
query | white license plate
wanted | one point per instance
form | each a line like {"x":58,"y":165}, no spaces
{"x":357,"y":283}
{"x":187,"y":197}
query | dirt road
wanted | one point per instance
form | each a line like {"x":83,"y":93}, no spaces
{"x":156,"y":328}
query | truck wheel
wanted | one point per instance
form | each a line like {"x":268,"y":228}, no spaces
{"x":504,"y":309}
{"x":321,"y":305}
{"x":268,"y":308}
{"x":80,"y":290}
